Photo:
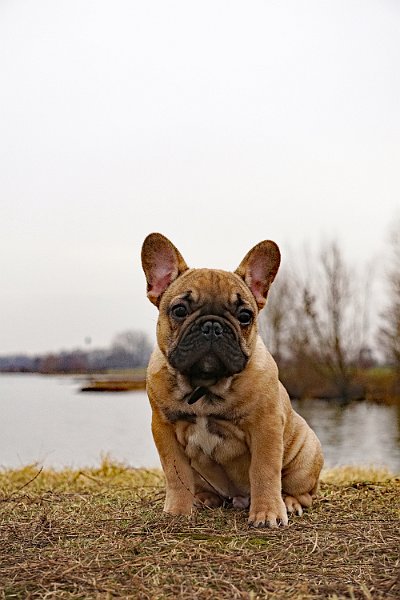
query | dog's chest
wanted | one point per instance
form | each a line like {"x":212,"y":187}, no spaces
{"x":201,"y":436}
{"x":216,"y":438}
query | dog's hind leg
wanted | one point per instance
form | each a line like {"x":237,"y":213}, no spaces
{"x":298,"y":490}
{"x":302,"y":466}
{"x":206,"y":493}
{"x":300,"y":481}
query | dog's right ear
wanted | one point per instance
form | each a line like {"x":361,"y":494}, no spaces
{"x":162,"y":264}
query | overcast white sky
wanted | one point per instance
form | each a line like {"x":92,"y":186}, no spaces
{"x":218,"y":123}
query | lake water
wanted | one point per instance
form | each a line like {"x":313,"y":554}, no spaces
{"x":48,"y":421}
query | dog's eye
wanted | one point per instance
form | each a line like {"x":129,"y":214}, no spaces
{"x":179,"y":311}
{"x":245,"y":317}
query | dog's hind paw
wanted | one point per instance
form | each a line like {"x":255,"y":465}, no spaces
{"x":293,"y":505}
{"x":208,"y":499}
{"x":241,"y":501}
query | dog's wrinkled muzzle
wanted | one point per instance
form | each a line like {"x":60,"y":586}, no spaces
{"x":208,"y":350}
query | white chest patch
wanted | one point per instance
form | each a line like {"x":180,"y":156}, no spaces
{"x":201,"y":437}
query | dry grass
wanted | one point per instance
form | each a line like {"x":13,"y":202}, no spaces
{"x":100,"y":533}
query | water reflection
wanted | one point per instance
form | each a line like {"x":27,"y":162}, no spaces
{"x":355,"y":434}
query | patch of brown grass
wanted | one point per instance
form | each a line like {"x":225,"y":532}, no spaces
{"x":100,"y":533}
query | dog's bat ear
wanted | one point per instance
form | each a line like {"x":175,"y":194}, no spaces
{"x":258,"y":269}
{"x":162,"y":264}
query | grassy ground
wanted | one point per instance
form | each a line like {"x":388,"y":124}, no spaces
{"x":101,"y":534}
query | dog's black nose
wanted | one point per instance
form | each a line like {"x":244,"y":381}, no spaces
{"x":211,"y":329}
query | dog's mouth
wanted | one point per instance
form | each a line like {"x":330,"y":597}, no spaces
{"x":207,"y":370}
{"x":203,"y":374}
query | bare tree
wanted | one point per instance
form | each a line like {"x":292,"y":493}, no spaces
{"x":389,"y":332}
{"x":336,"y":308}
{"x":284,"y":328}
{"x":316,"y":325}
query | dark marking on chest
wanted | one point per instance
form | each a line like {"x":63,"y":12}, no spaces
{"x":234,"y":418}
{"x":215,"y":428}
{"x":179,"y":415}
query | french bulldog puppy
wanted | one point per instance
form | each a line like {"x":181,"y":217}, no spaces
{"x":222,"y":422}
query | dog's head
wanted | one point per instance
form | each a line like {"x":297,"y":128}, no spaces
{"x":207,"y":323}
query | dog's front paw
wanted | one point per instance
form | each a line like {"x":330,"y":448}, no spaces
{"x":271,"y":514}
{"x":178,"y":506}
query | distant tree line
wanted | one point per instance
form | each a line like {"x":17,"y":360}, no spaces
{"x":128,"y":350}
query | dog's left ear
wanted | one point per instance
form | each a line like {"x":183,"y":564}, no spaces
{"x":258,"y":269}
{"x":162,"y":264}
